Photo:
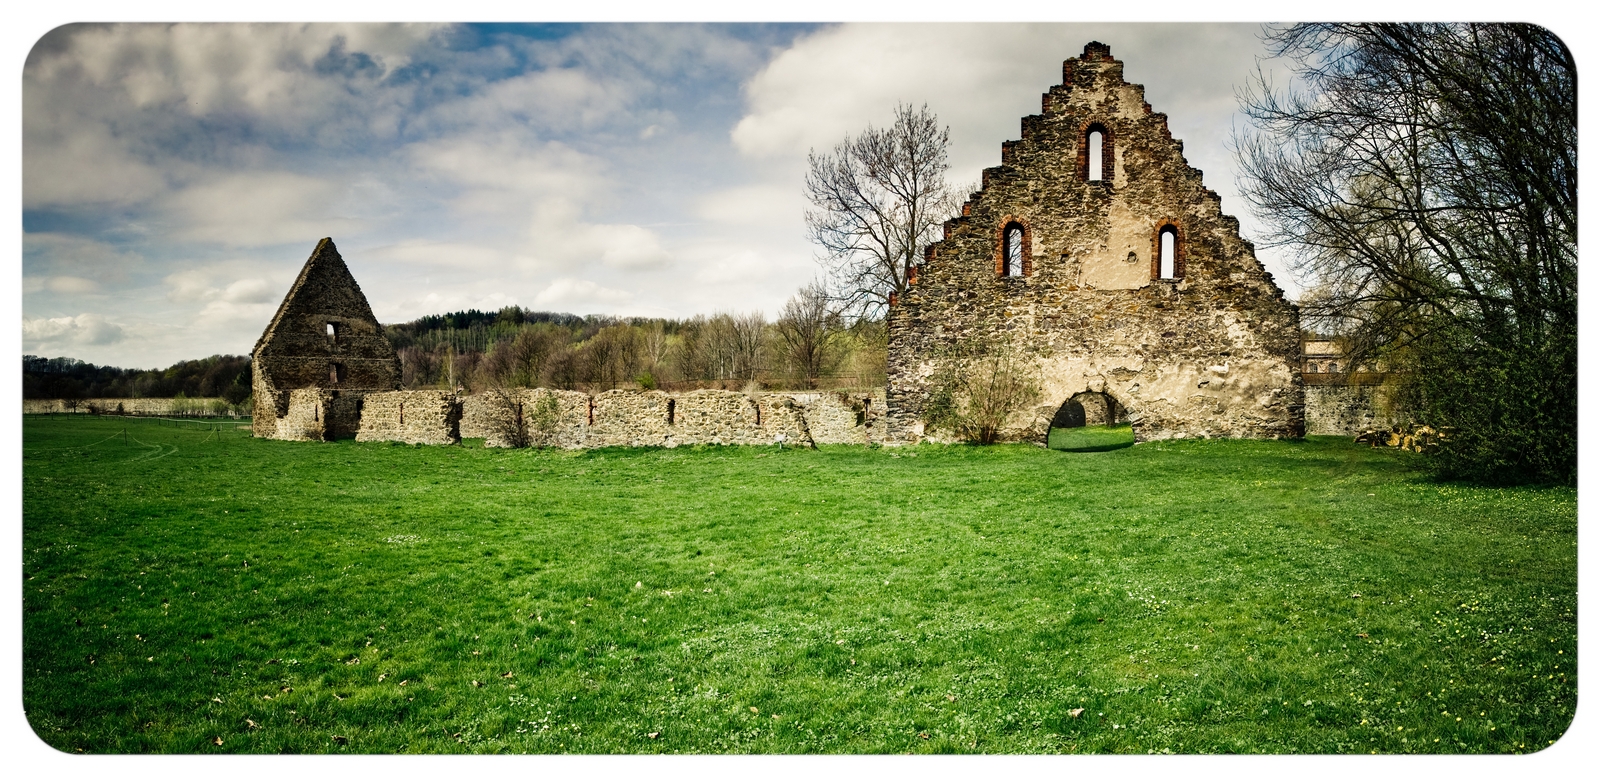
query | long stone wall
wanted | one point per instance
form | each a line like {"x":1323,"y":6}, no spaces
{"x":571,"y":419}
{"x":417,"y":417}
{"x":141,"y":406}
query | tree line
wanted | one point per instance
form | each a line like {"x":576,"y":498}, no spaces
{"x":809,"y":345}
{"x":63,"y":377}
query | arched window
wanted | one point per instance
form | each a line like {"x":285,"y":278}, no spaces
{"x":1167,"y":252}
{"x":1096,"y":153}
{"x":1333,"y":366}
{"x":1013,"y":250}
{"x":1097,"y":141}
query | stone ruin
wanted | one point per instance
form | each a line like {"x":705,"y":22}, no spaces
{"x":1096,"y":254}
{"x":323,"y":370}
{"x":1094,"y":251}
{"x":321,"y":355}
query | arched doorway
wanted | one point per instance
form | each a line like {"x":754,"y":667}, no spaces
{"x":1090,"y":421}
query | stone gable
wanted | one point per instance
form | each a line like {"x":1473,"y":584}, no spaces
{"x":1202,"y":345}
{"x":323,"y":337}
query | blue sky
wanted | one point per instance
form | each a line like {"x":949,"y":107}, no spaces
{"x":176,"y":177}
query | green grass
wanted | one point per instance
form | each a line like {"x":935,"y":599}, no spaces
{"x":184,"y":588}
{"x":1091,"y":439}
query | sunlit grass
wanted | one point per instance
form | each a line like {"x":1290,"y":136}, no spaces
{"x":1186,"y":596}
{"x":1091,"y":439}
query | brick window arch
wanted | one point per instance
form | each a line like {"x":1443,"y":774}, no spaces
{"x":1108,"y":154}
{"x":1013,"y":256}
{"x":1168,"y":253}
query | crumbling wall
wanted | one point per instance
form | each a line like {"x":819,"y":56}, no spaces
{"x":417,"y":417}
{"x":844,"y":417}
{"x":1212,"y":351}
{"x":1351,"y":409}
{"x":515,"y":417}
{"x":125,"y":406}
{"x":323,"y":336}
{"x":303,"y":419}
{"x":632,"y":418}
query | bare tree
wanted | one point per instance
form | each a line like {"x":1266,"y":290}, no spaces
{"x":653,"y":353}
{"x":1426,"y":178}
{"x":807,"y":334}
{"x":612,"y":355}
{"x":725,"y":346}
{"x":877,"y":199}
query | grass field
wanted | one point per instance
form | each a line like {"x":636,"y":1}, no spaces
{"x":197,"y":591}
{"x":1091,"y":439}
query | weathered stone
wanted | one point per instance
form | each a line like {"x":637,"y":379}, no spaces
{"x":143,"y":406}
{"x":843,"y":417}
{"x":418,"y":417}
{"x":1212,"y":351}
{"x":323,"y":337}
{"x":1345,"y":409}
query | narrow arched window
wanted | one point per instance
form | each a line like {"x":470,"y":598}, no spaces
{"x":1096,"y":153}
{"x":1097,"y":141}
{"x":1014,"y":251}
{"x":1168,"y":253}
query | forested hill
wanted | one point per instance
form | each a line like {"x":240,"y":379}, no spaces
{"x":67,"y":378}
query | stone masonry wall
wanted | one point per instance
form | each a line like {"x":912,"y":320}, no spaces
{"x":1212,"y":352}
{"x":139,"y":406}
{"x":323,"y":336}
{"x":417,"y":417}
{"x":656,"y":418}
{"x":844,"y":417}
{"x":1350,"y":409}
{"x":550,"y":418}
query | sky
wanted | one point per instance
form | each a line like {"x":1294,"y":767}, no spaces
{"x":176,"y":177}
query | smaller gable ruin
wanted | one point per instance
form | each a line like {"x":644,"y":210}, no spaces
{"x":320,"y":356}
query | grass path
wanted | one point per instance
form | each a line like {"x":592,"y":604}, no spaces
{"x":241,"y":595}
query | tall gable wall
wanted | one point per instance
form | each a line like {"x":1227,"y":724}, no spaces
{"x":297,"y":352}
{"x":1211,"y":352}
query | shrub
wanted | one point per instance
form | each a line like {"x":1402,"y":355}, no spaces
{"x":976,"y":391}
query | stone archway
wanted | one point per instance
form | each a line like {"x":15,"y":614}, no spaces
{"x":1095,"y":412}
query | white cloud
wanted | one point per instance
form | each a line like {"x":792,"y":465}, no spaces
{"x":218,"y":282}
{"x":753,"y":205}
{"x":442,"y":254}
{"x":248,"y":290}
{"x":256,"y":209}
{"x":83,"y":329}
{"x":59,"y":284}
{"x":574,"y":295}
